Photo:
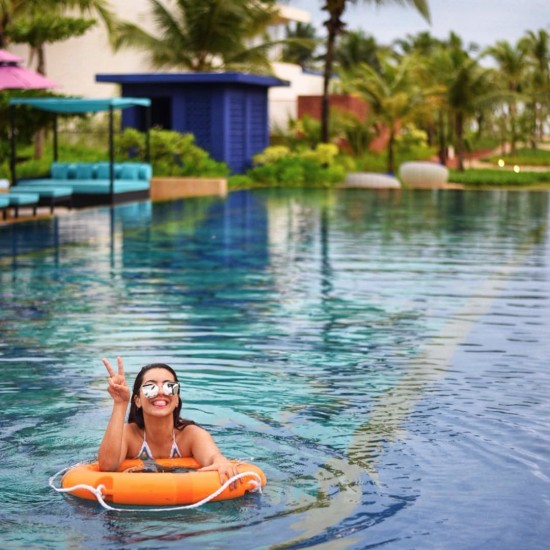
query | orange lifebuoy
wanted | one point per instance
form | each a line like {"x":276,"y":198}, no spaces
{"x":128,"y":486}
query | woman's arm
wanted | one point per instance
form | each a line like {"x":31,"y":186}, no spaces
{"x":207,"y":453}
{"x":114,"y":447}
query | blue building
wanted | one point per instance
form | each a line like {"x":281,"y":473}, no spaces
{"x":226,"y":112}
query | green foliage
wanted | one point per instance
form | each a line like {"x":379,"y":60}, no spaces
{"x":131,"y":142}
{"x":28,"y":120}
{"x":324,"y":154}
{"x":356,"y":134}
{"x":172,"y":153}
{"x":271,"y":154}
{"x":301,"y":42}
{"x":280,"y":166}
{"x":46,"y":27}
{"x":499,"y":178}
{"x":203,"y":36}
{"x":411,"y":137}
{"x":377,"y":162}
{"x":240,"y":181}
{"x":306,"y":131}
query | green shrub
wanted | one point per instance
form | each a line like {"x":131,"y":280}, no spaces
{"x":324,"y":153}
{"x":240,"y":181}
{"x":318,"y":167}
{"x":266,"y":173}
{"x":271,"y":154}
{"x":175,"y":154}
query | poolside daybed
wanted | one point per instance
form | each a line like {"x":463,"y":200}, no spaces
{"x":87,"y":184}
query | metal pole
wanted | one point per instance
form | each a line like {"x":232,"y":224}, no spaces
{"x":147,"y":134}
{"x":55,"y":144}
{"x":12,"y":145}
{"x":111,"y":156}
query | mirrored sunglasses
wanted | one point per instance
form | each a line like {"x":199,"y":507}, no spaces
{"x":151,"y":390}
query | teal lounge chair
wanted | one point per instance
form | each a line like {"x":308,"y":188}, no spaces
{"x":22,"y":199}
{"x":4,"y":203}
{"x":48,"y":195}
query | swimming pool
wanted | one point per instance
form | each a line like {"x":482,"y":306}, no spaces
{"x":382,"y":355}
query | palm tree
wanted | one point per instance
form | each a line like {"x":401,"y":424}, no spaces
{"x":537,"y":50}
{"x":511,"y":61}
{"x":204,"y":35}
{"x":301,"y":45}
{"x":39,"y":22}
{"x":460,"y":88}
{"x":392,"y":94}
{"x":355,"y":48}
{"x":12,"y":11}
{"x":48,"y":27}
{"x":336,"y":26}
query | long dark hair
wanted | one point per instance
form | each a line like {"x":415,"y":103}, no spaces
{"x":136,"y":413}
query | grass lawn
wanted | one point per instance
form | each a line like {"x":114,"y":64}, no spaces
{"x":501,"y":178}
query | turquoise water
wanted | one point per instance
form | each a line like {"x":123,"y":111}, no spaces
{"x":382,"y":356}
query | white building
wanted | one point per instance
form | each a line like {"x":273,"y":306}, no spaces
{"x":75,"y":62}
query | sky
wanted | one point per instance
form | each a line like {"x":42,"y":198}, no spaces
{"x":480,"y":21}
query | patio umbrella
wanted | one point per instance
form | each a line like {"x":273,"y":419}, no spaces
{"x":14,"y":77}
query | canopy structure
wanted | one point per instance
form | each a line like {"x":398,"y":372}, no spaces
{"x":71,"y":105}
{"x":14,"y":77}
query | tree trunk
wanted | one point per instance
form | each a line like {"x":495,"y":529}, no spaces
{"x":40,"y":136}
{"x":334,"y":27}
{"x":442,"y":139}
{"x":513,"y":128}
{"x":391,"y":151}
{"x":41,"y":63}
{"x":459,"y":129}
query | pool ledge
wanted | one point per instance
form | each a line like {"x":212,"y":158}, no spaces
{"x":166,"y":189}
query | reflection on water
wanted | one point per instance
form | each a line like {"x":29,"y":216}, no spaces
{"x":381,"y":355}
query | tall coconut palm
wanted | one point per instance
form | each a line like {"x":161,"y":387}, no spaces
{"x":537,"y":49}
{"x":392,"y":94}
{"x":356,"y":47}
{"x":203,"y":35}
{"x":335,"y":27}
{"x":301,"y":44}
{"x":464,"y":89}
{"x":512,"y":62}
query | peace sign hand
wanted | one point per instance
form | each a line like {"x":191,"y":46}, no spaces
{"x":117,"y":389}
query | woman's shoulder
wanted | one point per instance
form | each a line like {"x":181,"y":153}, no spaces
{"x":132,"y":431}
{"x":184,"y":423}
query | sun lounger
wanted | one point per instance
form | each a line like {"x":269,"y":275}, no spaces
{"x":4,"y":203}
{"x":22,"y":199}
{"x":48,"y":195}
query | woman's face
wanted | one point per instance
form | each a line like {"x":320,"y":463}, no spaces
{"x":159,"y":393}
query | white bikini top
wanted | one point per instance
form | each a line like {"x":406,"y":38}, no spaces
{"x":145,"y":452}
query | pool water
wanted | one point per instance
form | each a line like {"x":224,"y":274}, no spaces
{"x":381,"y":355}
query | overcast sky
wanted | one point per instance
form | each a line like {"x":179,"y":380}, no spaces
{"x":480,"y":21}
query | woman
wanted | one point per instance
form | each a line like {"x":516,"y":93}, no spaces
{"x":154,"y":428}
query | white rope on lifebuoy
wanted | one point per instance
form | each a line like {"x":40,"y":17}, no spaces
{"x":97,"y":492}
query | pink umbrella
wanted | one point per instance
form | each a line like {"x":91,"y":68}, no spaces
{"x":14,"y":77}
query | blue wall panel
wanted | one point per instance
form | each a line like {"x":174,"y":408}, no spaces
{"x":226,"y":112}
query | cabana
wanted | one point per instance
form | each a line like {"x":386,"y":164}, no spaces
{"x":91,"y":183}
